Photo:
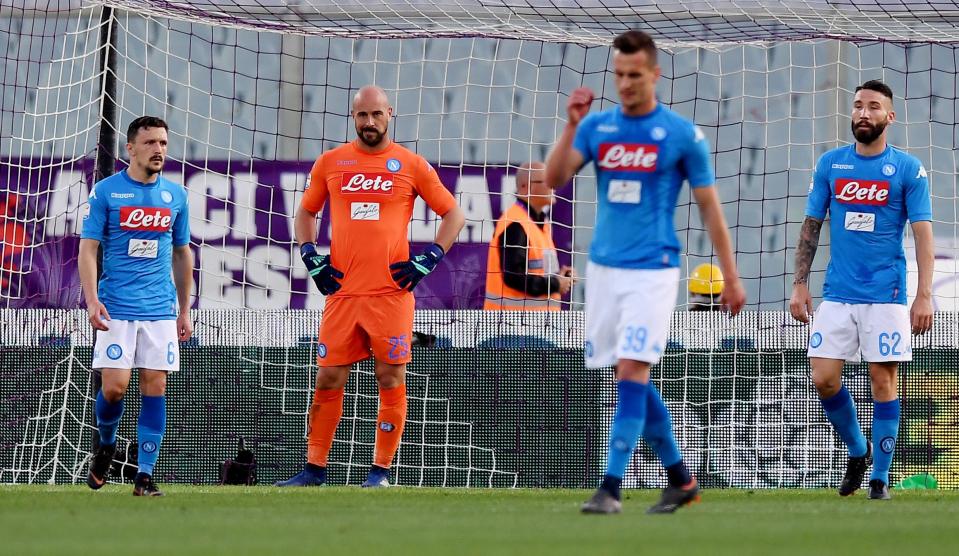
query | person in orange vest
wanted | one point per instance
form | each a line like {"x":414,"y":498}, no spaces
{"x":522,"y":271}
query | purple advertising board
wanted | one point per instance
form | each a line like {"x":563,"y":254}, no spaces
{"x":242,"y":232}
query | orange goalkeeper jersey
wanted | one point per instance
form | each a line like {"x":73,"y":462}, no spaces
{"x":371,"y":200}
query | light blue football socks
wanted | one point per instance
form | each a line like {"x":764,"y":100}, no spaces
{"x":150,"y":428}
{"x":108,"y":418}
{"x":885,"y":429}
{"x":841,"y":411}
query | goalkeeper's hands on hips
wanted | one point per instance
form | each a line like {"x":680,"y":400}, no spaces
{"x":321,"y":270}
{"x":409,"y":273}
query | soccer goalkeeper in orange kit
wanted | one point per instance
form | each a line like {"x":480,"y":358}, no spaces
{"x":368,"y":276}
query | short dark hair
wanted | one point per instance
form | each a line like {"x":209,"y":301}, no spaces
{"x":876,"y":85}
{"x":635,"y":41}
{"x":144,"y":122}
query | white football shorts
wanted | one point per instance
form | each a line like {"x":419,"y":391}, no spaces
{"x":627,"y":313}
{"x":877,"y":332}
{"x":138,"y":344}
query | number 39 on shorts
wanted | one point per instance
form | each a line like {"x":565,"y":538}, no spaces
{"x":634,"y":339}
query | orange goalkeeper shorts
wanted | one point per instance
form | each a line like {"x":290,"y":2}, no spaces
{"x":352,"y":327}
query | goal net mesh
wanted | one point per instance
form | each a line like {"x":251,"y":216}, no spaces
{"x":253,"y":91}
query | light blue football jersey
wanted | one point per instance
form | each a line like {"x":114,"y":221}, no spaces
{"x":869,"y":199}
{"x":137,"y":225}
{"x":641,"y":163}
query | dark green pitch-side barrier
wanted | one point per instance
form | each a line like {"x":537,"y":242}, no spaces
{"x":481,"y":417}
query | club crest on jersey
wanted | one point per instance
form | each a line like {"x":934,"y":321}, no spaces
{"x":393,"y":165}
{"x":381,"y":184}
{"x":166,"y":196}
{"x":888,"y":169}
{"x":146,"y":219}
{"x":658,"y":133}
{"x":862,"y":192}
{"x":628,"y":156}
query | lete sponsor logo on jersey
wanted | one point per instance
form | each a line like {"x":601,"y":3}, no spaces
{"x":862,"y":192}
{"x":628,"y":156}
{"x":381,"y":184}
{"x":147,"y":219}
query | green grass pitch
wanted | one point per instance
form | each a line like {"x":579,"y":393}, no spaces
{"x":348,"y":520}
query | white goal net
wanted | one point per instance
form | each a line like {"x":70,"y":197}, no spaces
{"x":254,"y":90}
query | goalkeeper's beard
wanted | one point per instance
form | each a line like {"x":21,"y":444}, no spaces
{"x":371,"y":136}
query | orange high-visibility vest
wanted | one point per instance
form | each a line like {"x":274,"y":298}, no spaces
{"x":541,"y":260}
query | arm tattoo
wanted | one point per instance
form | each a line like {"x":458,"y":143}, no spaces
{"x":806,"y":250}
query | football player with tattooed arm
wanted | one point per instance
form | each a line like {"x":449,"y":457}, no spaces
{"x":870,"y":190}
{"x":369,"y":275}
